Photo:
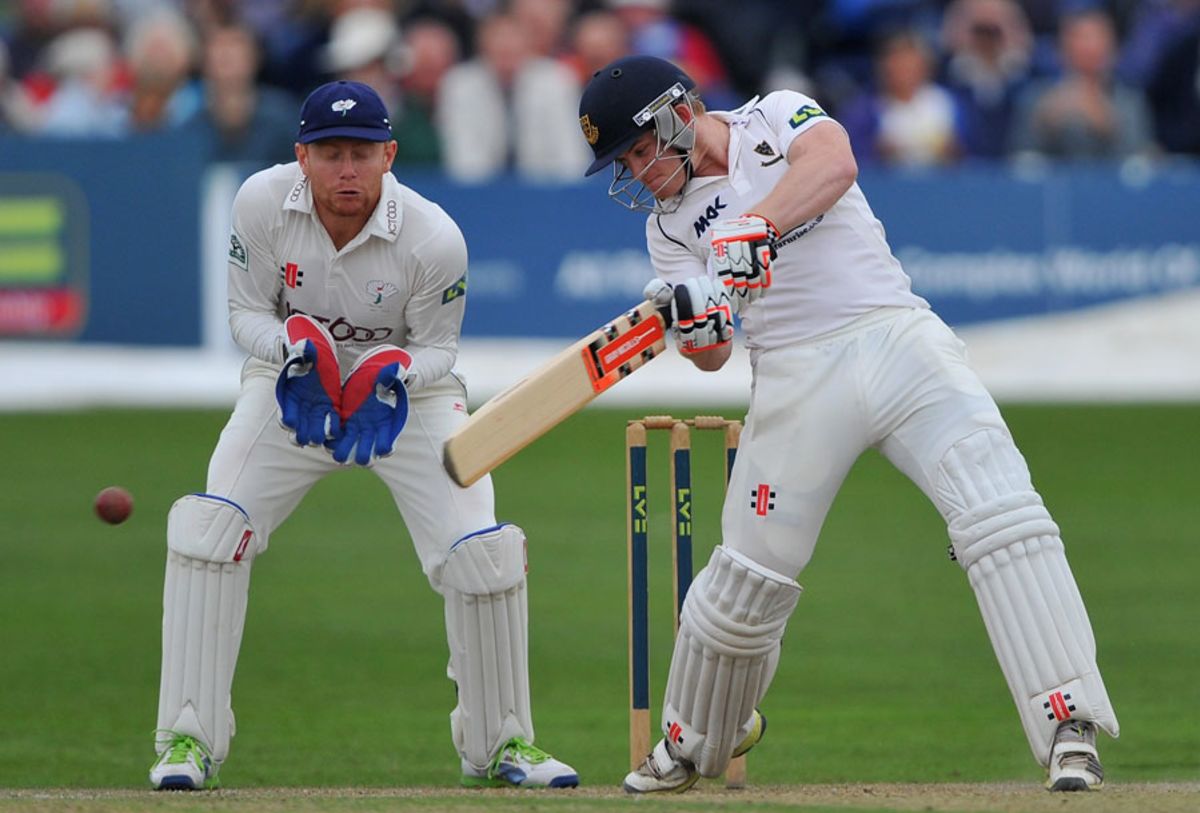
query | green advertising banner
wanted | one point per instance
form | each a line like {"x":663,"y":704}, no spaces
{"x":43,"y":256}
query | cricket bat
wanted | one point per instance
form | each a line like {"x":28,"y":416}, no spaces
{"x":550,"y":394}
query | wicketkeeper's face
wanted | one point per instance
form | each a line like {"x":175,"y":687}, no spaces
{"x":346,"y":174}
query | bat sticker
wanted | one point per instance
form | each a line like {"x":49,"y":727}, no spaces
{"x":621,"y":351}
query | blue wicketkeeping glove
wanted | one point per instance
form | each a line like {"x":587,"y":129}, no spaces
{"x":309,"y":387}
{"x":374,"y":406}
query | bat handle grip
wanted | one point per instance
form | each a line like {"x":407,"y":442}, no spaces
{"x":660,"y":294}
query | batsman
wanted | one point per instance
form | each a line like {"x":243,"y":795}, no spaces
{"x":347,"y":290}
{"x":757,"y":212}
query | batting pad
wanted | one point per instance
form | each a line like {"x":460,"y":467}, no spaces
{"x":725,"y":656}
{"x":210,"y":544}
{"x":1014,"y":559}
{"x":483,"y":583}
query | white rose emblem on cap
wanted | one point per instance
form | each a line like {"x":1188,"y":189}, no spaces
{"x":343,"y":109}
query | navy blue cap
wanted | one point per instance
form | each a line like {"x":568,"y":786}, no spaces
{"x":344,"y":110}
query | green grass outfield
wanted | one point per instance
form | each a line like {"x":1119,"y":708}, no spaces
{"x":886,"y":674}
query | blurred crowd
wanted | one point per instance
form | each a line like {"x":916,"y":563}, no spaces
{"x":484,"y":87}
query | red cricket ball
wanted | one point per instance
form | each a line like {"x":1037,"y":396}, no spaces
{"x":114,"y":505}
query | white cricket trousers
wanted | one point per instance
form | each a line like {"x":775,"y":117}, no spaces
{"x":258,"y":465}
{"x":896,"y":380}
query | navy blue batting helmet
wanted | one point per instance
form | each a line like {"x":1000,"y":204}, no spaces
{"x":621,"y":100}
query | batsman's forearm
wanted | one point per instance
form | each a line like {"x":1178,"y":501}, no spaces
{"x":801,"y":196}
{"x":822,"y":169}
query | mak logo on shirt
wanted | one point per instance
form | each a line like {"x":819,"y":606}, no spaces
{"x":711,"y":214}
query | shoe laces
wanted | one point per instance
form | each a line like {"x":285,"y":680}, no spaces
{"x":1075,"y":759}
{"x":182,"y":746}
{"x":675,"y":762}
{"x":1082,"y":732}
{"x":1075,"y":731}
{"x":523,"y":749}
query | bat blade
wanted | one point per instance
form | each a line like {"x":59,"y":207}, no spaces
{"x":550,"y":394}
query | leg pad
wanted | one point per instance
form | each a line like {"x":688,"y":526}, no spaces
{"x":210,"y":545}
{"x":1006,"y":541}
{"x":725,"y":656}
{"x":483,"y":584}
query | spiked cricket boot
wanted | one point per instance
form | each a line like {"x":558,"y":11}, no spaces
{"x":1074,"y":761}
{"x":520,"y":764}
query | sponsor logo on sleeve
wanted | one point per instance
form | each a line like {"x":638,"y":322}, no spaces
{"x":237,"y":251}
{"x":455,"y":291}
{"x":805,"y":113}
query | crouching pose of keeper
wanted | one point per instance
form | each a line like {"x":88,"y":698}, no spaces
{"x":757,"y":212}
{"x":347,"y":290}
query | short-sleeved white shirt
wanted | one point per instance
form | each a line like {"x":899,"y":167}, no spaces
{"x":829,"y":271}
{"x":401,"y":281}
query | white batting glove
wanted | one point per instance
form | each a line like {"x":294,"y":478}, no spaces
{"x":742,"y":251}
{"x":662,"y":296}
{"x":702,"y":314}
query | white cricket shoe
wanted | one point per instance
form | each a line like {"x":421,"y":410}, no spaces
{"x":185,"y":765}
{"x":520,"y":764}
{"x":663,"y":772}
{"x":1074,"y":761}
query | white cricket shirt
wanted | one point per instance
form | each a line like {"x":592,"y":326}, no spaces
{"x":402,"y":280}
{"x":828,"y":272}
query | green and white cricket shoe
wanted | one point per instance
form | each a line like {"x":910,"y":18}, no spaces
{"x":1074,"y":761}
{"x":185,"y":765}
{"x":663,"y":772}
{"x":520,"y":764}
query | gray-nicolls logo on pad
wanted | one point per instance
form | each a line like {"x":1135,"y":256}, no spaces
{"x":762,"y":499}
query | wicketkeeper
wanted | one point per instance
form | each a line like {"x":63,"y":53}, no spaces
{"x":757,"y":212}
{"x":347,"y":290}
